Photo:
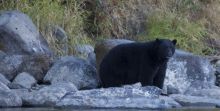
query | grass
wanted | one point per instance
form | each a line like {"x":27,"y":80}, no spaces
{"x":182,"y":20}
{"x":120,"y":18}
{"x":170,"y":25}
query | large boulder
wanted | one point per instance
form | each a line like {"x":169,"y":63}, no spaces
{"x":195,"y":101}
{"x":91,"y":58}
{"x":118,"y":97}
{"x":3,"y":86}
{"x":9,"y":98}
{"x":10,"y":65}
{"x":83,"y":50}
{"x":75,"y":70}
{"x":213,"y":92}
{"x":37,"y":65}
{"x":23,"y":49}
{"x":18,"y":35}
{"x":191,"y":71}
{"x":184,"y":70}
{"x":25,"y":80}
{"x":46,"y":96}
{"x":2,"y":54}
{"x":3,"y":79}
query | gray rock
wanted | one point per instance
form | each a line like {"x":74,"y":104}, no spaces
{"x":47,"y":96}
{"x":22,"y":93}
{"x":60,"y":34}
{"x":195,"y":101}
{"x":213,"y":92}
{"x":4,"y":80}
{"x":3,"y":86}
{"x":61,"y":39}
{"x":36,"y":65}
{"x":38,"y":87}
{"x":83,"y":50}
{"x":15,"y":86}
{"x":126,"y":91}
{"x":170,"y":101}
{"x":168,"y":89}
{"x":218,"y":63}
{"x":2,"y":55}
{"x":9,"y":65}
{"x":92,"y":59}
{"x":9,"y":99}
{"x":25,"y":80}
{"x":190,"y":70}
{"x":75,"y":70}
{"x":20,"y":36}
{"x":127,"y":97}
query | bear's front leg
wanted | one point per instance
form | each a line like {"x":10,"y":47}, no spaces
{"x":160,"y":76}
{"x":146,"y":76}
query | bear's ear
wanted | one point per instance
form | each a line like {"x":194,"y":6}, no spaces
{"x":174,"y":41}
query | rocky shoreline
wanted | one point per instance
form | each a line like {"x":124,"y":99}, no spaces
{"x":30,"y":76}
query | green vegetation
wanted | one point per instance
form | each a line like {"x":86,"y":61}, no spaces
{"x":191,"y":22}
{"x":184,"y":20}
{"x":173,"y":26}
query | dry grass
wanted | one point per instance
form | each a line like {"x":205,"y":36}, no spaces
{"x":121,"y":18}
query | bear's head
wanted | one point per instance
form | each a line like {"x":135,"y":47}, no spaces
{"x":164,"y":48}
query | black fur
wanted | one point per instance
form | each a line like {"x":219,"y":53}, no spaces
{"x":137,"y":62}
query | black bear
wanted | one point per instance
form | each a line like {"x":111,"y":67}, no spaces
{"x":137,"y":62}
